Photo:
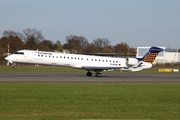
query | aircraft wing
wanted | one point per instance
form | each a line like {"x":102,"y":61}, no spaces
{"x":100,"y":67}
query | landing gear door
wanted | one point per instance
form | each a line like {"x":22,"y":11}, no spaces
{"x":30,"y":55}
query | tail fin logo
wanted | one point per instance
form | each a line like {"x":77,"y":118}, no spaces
{"x":150,"y":57}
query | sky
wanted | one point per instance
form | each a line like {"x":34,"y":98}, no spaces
{"x":135,"y":22}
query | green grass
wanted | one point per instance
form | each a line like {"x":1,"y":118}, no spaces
{"x":57,"y":101}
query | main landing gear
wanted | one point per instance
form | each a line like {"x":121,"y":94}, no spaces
{"x":90,"y":74}
{"x":98,"y":74}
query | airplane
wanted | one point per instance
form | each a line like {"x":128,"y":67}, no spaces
{"x":87,"y":62}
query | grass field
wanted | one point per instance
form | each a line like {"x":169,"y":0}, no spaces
{"x":51,"y":101}
{"x":72,"y":100}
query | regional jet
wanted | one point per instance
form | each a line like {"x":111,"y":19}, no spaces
{"x":87,"y":62}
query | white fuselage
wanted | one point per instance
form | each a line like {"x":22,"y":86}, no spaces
{"x":71,"y":60}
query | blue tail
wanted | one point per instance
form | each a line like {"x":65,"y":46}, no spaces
{"x":151,"y":55}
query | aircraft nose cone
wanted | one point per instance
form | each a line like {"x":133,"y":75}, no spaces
{"x":7,"y":58}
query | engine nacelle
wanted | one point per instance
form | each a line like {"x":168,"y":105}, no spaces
{"x":131,"y":61}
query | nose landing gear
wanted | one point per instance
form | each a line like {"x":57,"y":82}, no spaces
{"x":14,"y":66}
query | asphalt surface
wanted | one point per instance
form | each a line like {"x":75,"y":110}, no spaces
{"x":81,"y":77}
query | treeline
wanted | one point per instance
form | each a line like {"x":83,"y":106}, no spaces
{"x":33,"y":39}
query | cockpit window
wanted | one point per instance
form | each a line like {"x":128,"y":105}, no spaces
{"x":19,"y":53}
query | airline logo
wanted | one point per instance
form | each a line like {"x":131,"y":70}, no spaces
{"x":44,"y":53}
{"x":150,"y":57}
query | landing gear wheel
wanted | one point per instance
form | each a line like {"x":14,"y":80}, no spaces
{"x":98,"y":75}
{"x":14,"y":66}
{"x":89,"y":73}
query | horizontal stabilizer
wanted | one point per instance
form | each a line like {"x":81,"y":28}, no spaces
{"x":140,"y":66}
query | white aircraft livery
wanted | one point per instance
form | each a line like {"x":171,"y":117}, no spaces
{"x":86,"y":62}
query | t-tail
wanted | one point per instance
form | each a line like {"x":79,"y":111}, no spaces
{"x":147,"y":60}
{"x":150,"y":56}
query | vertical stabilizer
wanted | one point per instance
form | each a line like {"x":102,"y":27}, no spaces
{"x":150,"y":56}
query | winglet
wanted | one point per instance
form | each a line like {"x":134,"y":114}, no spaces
{"x":151,"y":55}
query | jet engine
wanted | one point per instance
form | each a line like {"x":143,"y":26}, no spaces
{"x":131,"y":61}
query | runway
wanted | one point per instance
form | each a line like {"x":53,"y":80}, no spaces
{"x":81,"y":77}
